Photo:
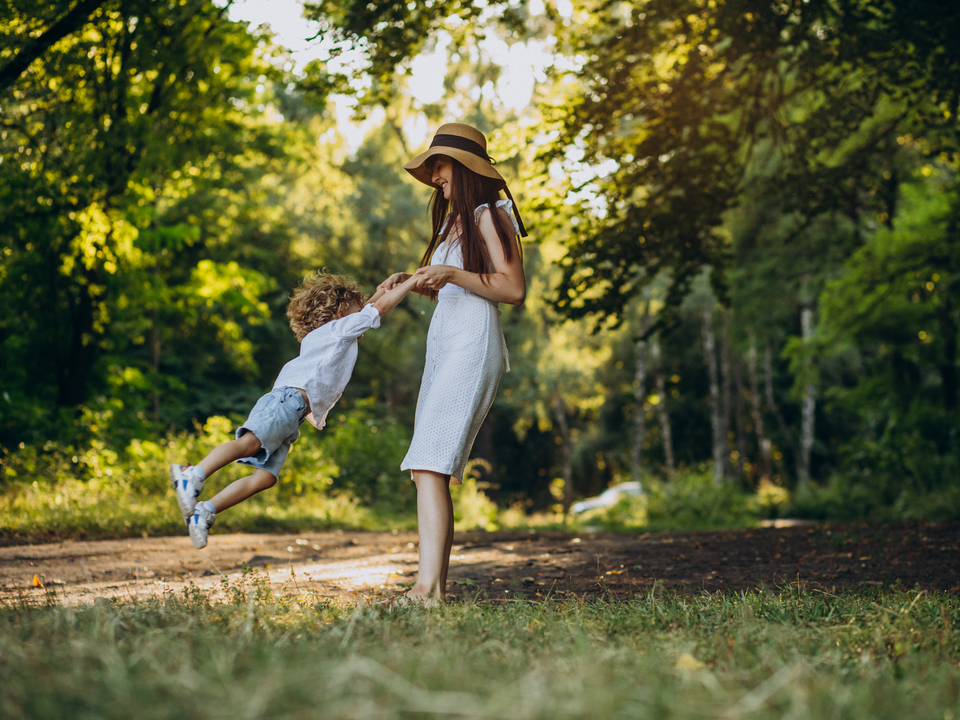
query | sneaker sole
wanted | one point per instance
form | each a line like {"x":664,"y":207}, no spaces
{"x":186,"y":509}
{"x":198,"y":542}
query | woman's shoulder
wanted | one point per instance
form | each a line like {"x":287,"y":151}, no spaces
{"x":504,"y":206}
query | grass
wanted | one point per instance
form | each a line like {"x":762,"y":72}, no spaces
{"x":244,"y":651}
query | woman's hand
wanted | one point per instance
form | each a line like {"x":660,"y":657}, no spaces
{"x":391,"y":282}
{"x":435,"y":276}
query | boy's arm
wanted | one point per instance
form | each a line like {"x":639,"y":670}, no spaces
{"x":384,"y":302}
{"x":376,"y":296}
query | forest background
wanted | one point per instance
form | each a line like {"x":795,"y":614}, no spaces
{"x":742,"y":263}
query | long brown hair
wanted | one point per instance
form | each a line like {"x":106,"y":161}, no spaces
{"x":469,"y":191}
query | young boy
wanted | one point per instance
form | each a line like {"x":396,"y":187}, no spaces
{"x":328,"y":316}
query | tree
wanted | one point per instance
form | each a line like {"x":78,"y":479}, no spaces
{"x":118,"y":131}
{"x":676,"y":96}
{"x":640,"y":394}
{"x":31,"y":43}
{"x":889,"y":329}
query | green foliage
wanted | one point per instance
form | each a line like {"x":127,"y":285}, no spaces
{"x":99,"y":492}
{"x":472,"y":509}
{"x":690,"y":501}
{"x":880,"y":654}
{"x":368,"y":447}
{"x":854,"y":496}
{"x":127,"y":146}
{"x":889,"y":334}
{"x":695,"y":500}
{"x":669,"y":102}
{"x":166,"y":180}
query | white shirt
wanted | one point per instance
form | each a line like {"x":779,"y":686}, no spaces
{"x":325,"y":364}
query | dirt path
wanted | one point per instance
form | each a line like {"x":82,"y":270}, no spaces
{"x":349,"y":565}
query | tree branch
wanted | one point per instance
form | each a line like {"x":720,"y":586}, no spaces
{"x":35,"y":47}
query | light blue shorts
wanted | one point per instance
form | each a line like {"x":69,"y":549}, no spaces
{"x":275,"y":420}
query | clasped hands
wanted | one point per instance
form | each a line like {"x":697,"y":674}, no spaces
{"x":433,"y":278}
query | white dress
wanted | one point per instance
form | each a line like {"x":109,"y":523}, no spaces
{"x":466,"y":353}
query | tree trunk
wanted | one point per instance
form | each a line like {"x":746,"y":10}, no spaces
{"x":716,"y":423}
{"x":666,"y":435}
{"x":948,"y":367}
{"x":639,"y":398}
{"x":82,"y":353}
{"x":483,"y":446}
{"x":890,"y":192}
{"x":155,"y":361}
{"x":566,"y":463}
{"x":763,"y":442}
{"x":726,"y":378}
{"x":808,"y":407}
{"x":739,"y":417}
{"x":768,"y":382}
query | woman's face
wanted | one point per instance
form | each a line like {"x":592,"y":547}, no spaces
{"x":443,"y":175}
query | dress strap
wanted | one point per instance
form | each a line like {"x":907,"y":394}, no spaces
{"x":503,"y":204}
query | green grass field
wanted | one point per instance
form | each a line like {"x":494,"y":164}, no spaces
{"x":244,"y":652}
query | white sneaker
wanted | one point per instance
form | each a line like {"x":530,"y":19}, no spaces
{"x":199,"y":524}
{"x":188,"y":486}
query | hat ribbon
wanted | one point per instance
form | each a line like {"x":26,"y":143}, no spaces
{"x":461,"y":143}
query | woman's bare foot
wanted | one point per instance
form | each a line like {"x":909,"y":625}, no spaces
{"x":408,"y":600}
{"x":424,"y":600}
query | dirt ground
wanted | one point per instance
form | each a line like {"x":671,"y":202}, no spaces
{"x":348,"y":566}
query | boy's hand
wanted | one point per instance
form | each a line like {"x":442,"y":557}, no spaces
{"x":391,"y":282}
{"x":389,"y":299}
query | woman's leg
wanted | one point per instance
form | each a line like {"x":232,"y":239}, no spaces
{"x":435,"y":528}
{"x":449,"y":544}
{"x":240,"y":490}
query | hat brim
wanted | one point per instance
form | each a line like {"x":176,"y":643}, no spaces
{"x":419,"y":169}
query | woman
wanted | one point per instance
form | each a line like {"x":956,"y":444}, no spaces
{"x":474,"y":261}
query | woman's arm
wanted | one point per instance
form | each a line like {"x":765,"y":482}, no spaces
{"x":395,"y":280}
{"x":507,"y":284}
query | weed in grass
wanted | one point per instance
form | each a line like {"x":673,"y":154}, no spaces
{"x":242,"y":650}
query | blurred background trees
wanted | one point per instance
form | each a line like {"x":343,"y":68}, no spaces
{"x":743,"y":253}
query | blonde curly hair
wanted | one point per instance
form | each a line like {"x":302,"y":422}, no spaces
{"x":320,"y":298}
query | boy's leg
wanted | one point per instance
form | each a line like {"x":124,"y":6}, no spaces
{"x":242,"y":489}
{"x":205,"y":512}
{"x":273,"y":423}
{"x":435,"y":528}
{"x":188,"y":480}
{"x":247,"y":445}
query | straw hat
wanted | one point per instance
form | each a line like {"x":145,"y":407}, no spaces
{"x":461,"y":142}
{"x":469,"y":146}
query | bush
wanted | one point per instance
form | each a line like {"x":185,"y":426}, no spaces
{"x":690,"y":501}
{"x":102,"y":492}
{"x":850,"y":498}
{"x":368,"y":448}
{"x":472,"y":509}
